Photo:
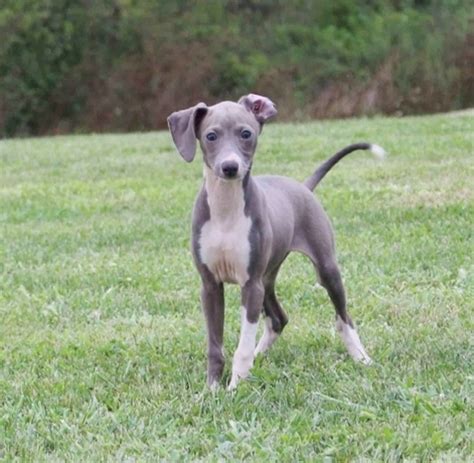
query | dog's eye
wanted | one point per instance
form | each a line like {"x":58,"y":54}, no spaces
{"x":211,"y":136}
{"x":246,"y":134}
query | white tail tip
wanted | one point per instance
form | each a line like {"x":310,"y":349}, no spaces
{"x":378,"y":151}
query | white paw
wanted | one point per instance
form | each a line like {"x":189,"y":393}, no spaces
{"x":214,"y":386}
{"x":240,"y":370}
{"x":268,"y":338}
{"x":352,"y":341}
{"x":361,"y":356}
{"x":233,"y":383}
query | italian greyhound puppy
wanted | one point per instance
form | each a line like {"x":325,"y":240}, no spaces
{"x":243,"y":227}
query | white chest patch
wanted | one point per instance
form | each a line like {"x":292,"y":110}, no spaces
{"x":224,"y":241}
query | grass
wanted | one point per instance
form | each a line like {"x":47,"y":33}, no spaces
{"x":102,"y":343}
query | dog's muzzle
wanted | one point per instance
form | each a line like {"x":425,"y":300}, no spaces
{"x":230,"y":169}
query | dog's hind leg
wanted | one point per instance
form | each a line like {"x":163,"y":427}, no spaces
{"x":330,"y":278}
{"x":319,"y":248}
{"x":275,"y":319}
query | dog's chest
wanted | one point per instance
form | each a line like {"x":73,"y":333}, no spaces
{"x":224,"y":242}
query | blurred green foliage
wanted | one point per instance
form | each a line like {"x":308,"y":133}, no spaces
{"x":79,"y":65}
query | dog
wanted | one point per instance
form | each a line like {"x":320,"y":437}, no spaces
{"x":243,"y":228}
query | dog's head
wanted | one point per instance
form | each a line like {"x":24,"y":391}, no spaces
{"x":227,"y":133}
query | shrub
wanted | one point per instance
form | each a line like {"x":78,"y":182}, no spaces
{"x":75,"y":65}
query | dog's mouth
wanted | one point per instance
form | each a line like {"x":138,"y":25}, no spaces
{"x":227,"y":179}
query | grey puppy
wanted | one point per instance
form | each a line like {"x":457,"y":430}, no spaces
{"x":243,"y":228}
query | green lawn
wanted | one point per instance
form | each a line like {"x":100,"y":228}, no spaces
{"x":102,"y":342}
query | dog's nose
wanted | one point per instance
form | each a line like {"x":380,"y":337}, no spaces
{"x":230,"y":168}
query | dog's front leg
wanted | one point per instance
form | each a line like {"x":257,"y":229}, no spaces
{"x":252,"y":304}
{"x":212,"y":299}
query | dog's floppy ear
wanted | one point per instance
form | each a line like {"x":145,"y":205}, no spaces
{"x":262,"y":107}
{"x":183,"y":126}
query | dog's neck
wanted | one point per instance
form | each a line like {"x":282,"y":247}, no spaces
{"x":226,"y":198}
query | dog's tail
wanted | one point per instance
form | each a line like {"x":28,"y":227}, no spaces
{"x":326,"y":166}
